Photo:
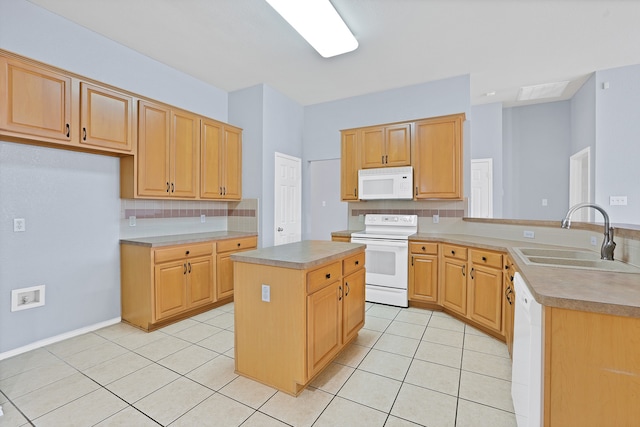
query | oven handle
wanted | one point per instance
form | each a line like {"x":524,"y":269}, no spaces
{"x":391,"y":243}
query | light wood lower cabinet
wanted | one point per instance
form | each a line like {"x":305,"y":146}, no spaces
{"x":161,"y":285}
{"x":423,"y":272}
{"x":485,"y":289}
{"x":454,"y":278}
{"x":309,"y":317}
{"x":591,"y":369}
{"x":225,"y":248}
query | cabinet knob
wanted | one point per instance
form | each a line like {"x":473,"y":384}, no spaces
{"x":424,"y":249}
{"x":328,"y":275}
{"x":506,"y":267}
{"x":453,"y":252}
{"x":357,"y":262}
{"x":484,"y":258}
{"x":239,"y":244}
{"x":186,"y":253}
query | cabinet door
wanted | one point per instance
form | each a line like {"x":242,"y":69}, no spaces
{"x":438,"y":158}
{"x":372,"y":147}
{"x":224,"y":282}
{"x":153,"y":149}
{"x":106,"y":118}
{"x":200,"y":281}
{"x":349,"y":165}
{"x":423,"y":278}
{"x":324,"y":326}
{"x":211,"y":147}
{"x":232,"y":164}
{"x":454,"y":286}
{"x":353,"y":304}
{"x":398,"y":145}
{"x":185,"y":155}
{"x":34,"y":100}
{"x":485,"y":296}
{"x":170,"y":289}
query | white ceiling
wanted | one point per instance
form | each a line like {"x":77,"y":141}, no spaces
{"x":502,"y":44}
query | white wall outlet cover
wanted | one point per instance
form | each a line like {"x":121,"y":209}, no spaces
{"x":529,"y":234}
{"x":132,"y":221}
{"x":266,"y":293}
{"x":203,"y":218}
{"x":24,"y":298}
{"x":436,"y":219}
{"x":19,"y":225}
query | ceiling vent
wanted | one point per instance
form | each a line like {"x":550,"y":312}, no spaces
{"x":547,"y":90}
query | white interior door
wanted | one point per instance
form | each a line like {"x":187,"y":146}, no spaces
{"x":580,"y":183}
{"x":288,"y":200}
{"x":482,"y":188}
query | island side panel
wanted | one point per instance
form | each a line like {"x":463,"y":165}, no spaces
{"x":270,"y":337}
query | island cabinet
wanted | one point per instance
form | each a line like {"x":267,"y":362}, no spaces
{"x":349,"y":165}
{"x":386,"y":146}
{"x":423,"y":272}
{"x":437,"y":158}
{"x":296,"y":307}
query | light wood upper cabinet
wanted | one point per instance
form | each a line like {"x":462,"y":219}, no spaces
{"x":106,"y":118}
{"x":34,"y":101}
{"x":221,"y":161}
{"x":386,"y":146}
{"x":437,"y":158}
{"x":168,"y":152}
{"x":349,"y":165}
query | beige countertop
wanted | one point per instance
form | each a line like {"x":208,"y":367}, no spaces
{"x":299,"y":255}
{"x":179,"y":239}
{"x":571,"y":288}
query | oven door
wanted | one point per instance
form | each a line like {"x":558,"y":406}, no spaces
{"x":386,"y":262}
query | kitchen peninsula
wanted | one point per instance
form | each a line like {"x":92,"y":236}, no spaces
{"x":296,"y":307}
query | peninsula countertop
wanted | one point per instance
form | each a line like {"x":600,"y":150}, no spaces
{"x":572,"y":288}
{"x":179,"y":239}
{"x":299,"y":255}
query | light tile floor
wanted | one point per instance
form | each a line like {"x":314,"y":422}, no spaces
{"x":407,"y":367}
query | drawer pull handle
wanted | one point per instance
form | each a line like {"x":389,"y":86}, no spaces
{"x":506,"y":267}
{"x":189,"y":268}
{"x":471,"y":274}
{"x":424,"y":249}
{"x":328,"y":275}
{"x":453,"y":252}
{"x":357,"y":262}
{"x":68,"y":130}
{"x":167,"y":186}
{"x":238,"y":244}
{"x":84,"y":134}
{"x":484,"y":258}
{"x":185,"y":268}
{"x":339,"y":293}
{"x":347,"y":286}
{"x":172,"y":188}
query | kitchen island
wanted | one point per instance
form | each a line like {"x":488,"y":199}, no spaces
{"x":296,"y":307}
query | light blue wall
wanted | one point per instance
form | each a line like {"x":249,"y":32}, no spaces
{"x":618,"y":141}
{"x":71,"y":200}
{"x":537,"y":141}
{"x":583,"y":124}
{"x":486,"y":142}
{"x":323,"y":122}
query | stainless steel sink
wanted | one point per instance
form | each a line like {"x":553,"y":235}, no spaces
{"x":571,"y":258}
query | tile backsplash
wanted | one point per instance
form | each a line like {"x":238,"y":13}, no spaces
{"x":141,"y":218}
{"x":426,"y":209}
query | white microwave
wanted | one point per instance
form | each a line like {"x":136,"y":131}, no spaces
{"x":386,"y":183}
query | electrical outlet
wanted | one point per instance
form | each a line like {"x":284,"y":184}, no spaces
{"x":594,"y":241}
{"x":545,"y":202}
{"x":203,"y":218}
{"x":19,"y":225}
{"x":618,"y":201}
{"x":529,"y":234}
{"x":24,"y":298}
{"x":132,"y":221}
{"x":436,"y":219}
{"x":266,"y":293}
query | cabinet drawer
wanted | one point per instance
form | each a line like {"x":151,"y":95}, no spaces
{"x":452,"y":251}
{"x":353,"y":263}
{"x":423,"y":248}
{"x":490,"y":259}
{"x":238,"y":244}
{"x":183,"y":251}
{"x":323,"y":276}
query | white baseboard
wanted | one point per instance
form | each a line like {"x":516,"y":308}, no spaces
{"x":57,"y":338}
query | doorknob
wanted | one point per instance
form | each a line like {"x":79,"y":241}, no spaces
{"x":280,"y":229}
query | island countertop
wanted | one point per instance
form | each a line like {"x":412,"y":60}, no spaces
{"x":299,"y":255}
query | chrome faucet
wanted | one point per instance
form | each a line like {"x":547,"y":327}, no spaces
{"x":608,"y":245}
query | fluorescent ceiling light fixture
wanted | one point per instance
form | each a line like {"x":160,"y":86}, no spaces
{"x":319,"y":23}
{"x":547,"y":90}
